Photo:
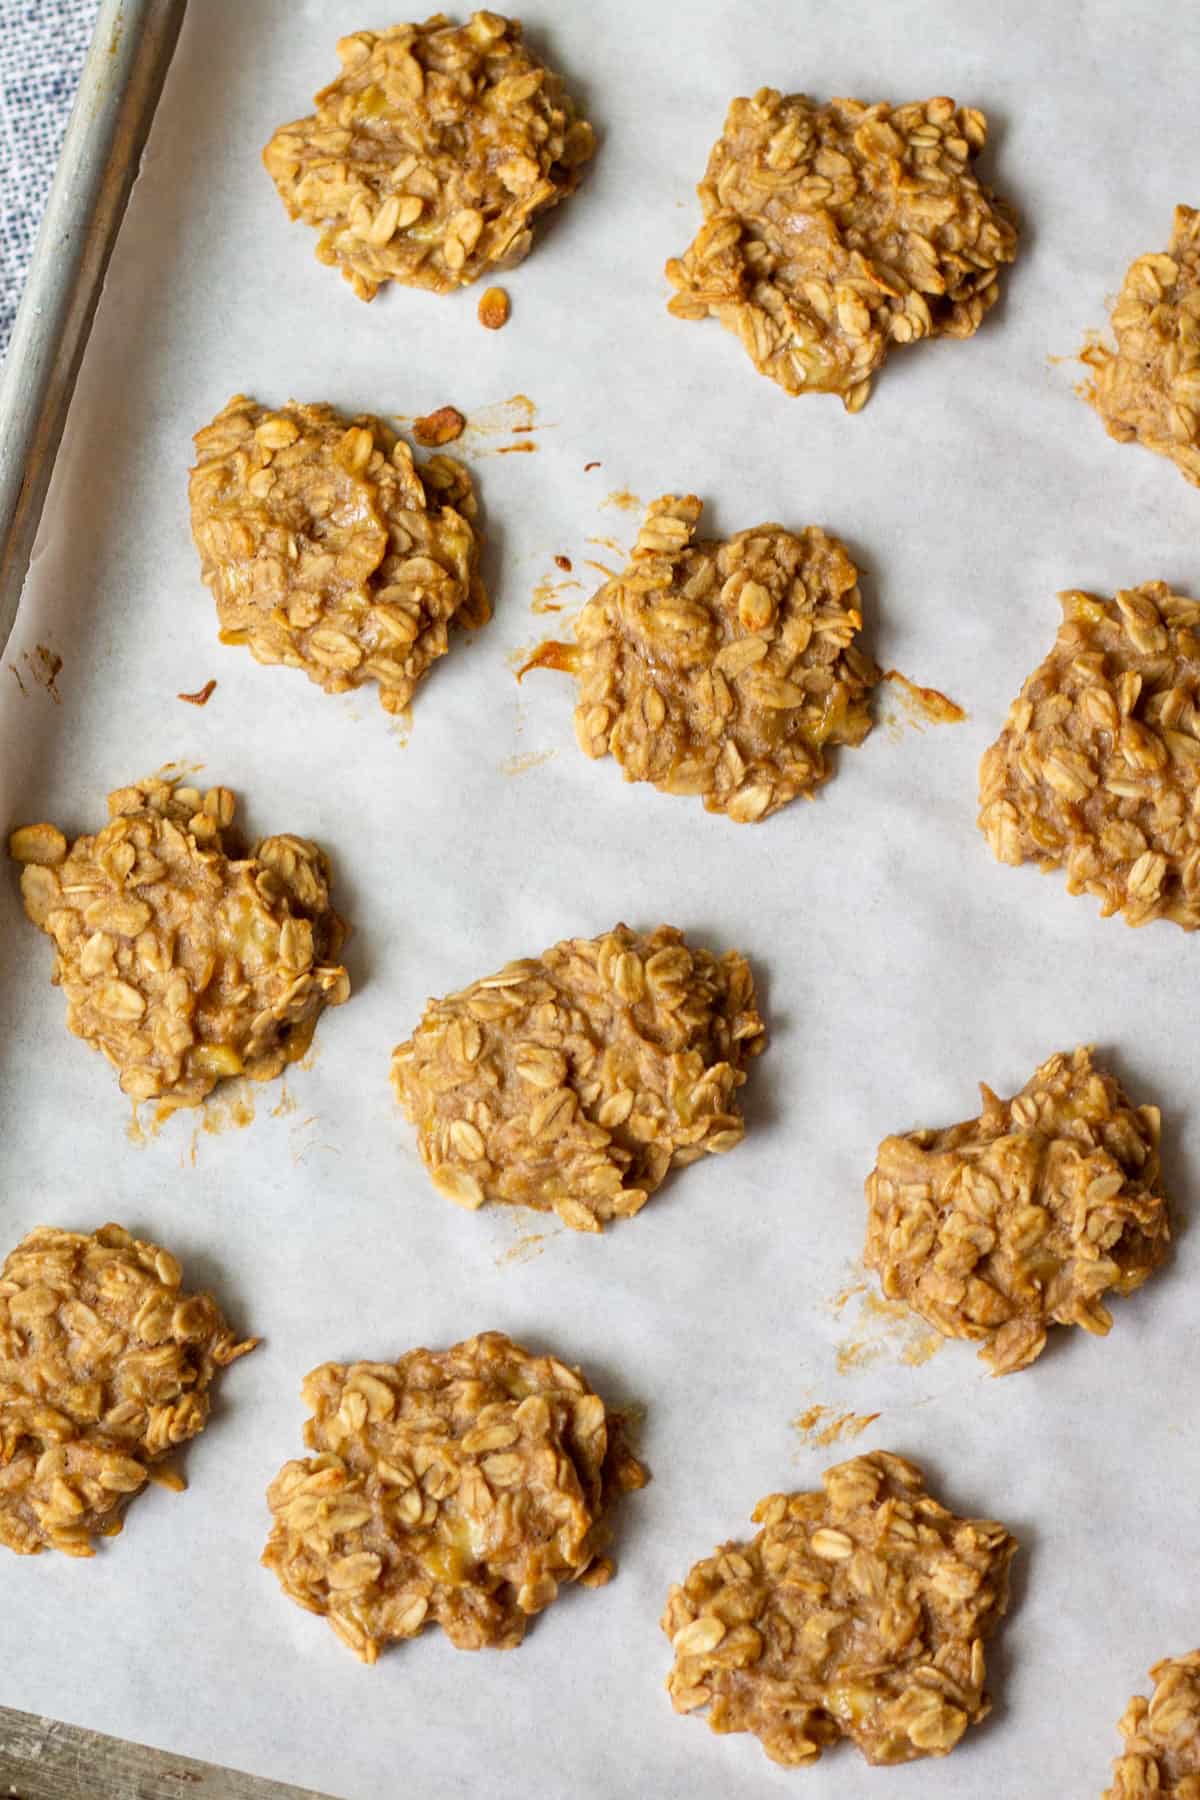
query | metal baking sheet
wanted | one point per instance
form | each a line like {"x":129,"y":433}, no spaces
{"x":899,"y":964}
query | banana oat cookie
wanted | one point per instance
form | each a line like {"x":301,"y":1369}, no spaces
{"x":183,"y":956}
{"x":329,"y":550}
{"x":429,"y":158}
{"x":1097,"y":769}
{"x":859,"y":1612}
{"x":1024,"y":1218}
{"x":458,"y":1488}
{"x":1161,"y":1760}
{"x":833,"y":232}
{"x":725,"y":669}
{"x":572,"y":1082}
{"x":1147,"y":390}
{"x":105,"y":1367}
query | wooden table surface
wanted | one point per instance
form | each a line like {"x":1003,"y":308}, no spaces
{"x":41,"y":1759}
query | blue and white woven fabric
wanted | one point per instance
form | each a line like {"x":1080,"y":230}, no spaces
{"x":43,"y":44}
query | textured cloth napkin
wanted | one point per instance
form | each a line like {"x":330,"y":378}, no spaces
{"x":42,"y":48}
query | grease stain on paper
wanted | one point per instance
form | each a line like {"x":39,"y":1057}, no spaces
{"x":525,"y":760}
{"x":821,"y":1426}
{"x":44,"y":666}
{"x":882,"y":1330}
{"x":525,"y":1250}
{"x":623,"y":500}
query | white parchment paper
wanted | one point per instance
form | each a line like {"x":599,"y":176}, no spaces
{"x":900,"y":964}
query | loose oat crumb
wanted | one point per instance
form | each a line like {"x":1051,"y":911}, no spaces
{"x":1147,"y":390}
{"x":563,"y":563}
{"x":440,"y":427}
{"x":1025,"y":1217}
{"x":459,"y":1487}
{"x":494,"y":309}
{"x":858,"y":1612}
{"x":833,"y":232}
{"x":725,"y":670}
{"x":105,"y":1367}
{"x":202,"y":696}
{"x":432,"y":154}
{"x":572,"y":1082}
{"x":1161,"y":1759}
{"x":1097,"y":769}
{"x":183,"y":957}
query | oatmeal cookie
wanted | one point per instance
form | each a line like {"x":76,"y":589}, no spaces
{"x":997,"y":1228}
{"x":105,"y":1367}
{"x":572,"y":1082}
{"x":859,"y":1612}
{"x":458,"y":1488}
{"x":327,"y":549}
{"x":1161,"y":1760}
{"x":833,"y":232}
{"x":725,"y":669}
{"x":183,"y":958}
{"x":1147,"y":390}
{"x":429,"y":158}
{"x":1097,"y":769}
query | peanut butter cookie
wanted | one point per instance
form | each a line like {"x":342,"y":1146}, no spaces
{"x":725,"y":669}
{"x":1097,"y":769}
{"x":1147,"y":390}
{"x":1023,"y":1218}
{"x":327,"y":549}
{"x":429,"y":158}
{"x":859,"y":1612}
{"x":183,"y":957}
{"x":833,"y":232}
{"x":572,"y":1082}
{"x":458,"y":1488}
{"x":105,"y":1367}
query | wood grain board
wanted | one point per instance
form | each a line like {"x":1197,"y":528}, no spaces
{"x":41,"y":1759}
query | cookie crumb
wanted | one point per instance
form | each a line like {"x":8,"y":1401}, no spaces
{"x":494,"y":309}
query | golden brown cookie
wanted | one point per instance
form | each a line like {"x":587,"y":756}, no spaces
{"x":859,"y":1612}
{"x":1024,"y":1218}
{"x":833,"y":232}
{"x":105,"y":1367}
{"x":327,"y":549}
{"x":1147,"y":390}
{"x":458,"y":1488}
{"x":725,"y":669}
{"x":183,"y":957}
{"x":1097,"y":769}
{"x":572,"y":1082}
{"x":1161,"y":1760}
{"x":429,"y":158}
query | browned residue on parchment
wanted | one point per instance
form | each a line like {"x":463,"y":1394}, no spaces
{"x":45,"y":665}
{"x":563,"y":563}
{"x":525,"y":1250}
{"x":549,"y":592}
{"x":609,"y":543}
{"x":883,"y":1329}
{"x":16,"y":673}
{"x":515,"y":417}
{"x":924,"y":705}
{"x":525,"y":760}
{"x":202,"y":695}
{"x":551,"y":655}
{"x":624,"y":500}
{"x":591,"y":465}
{"x":821,"y":1426}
